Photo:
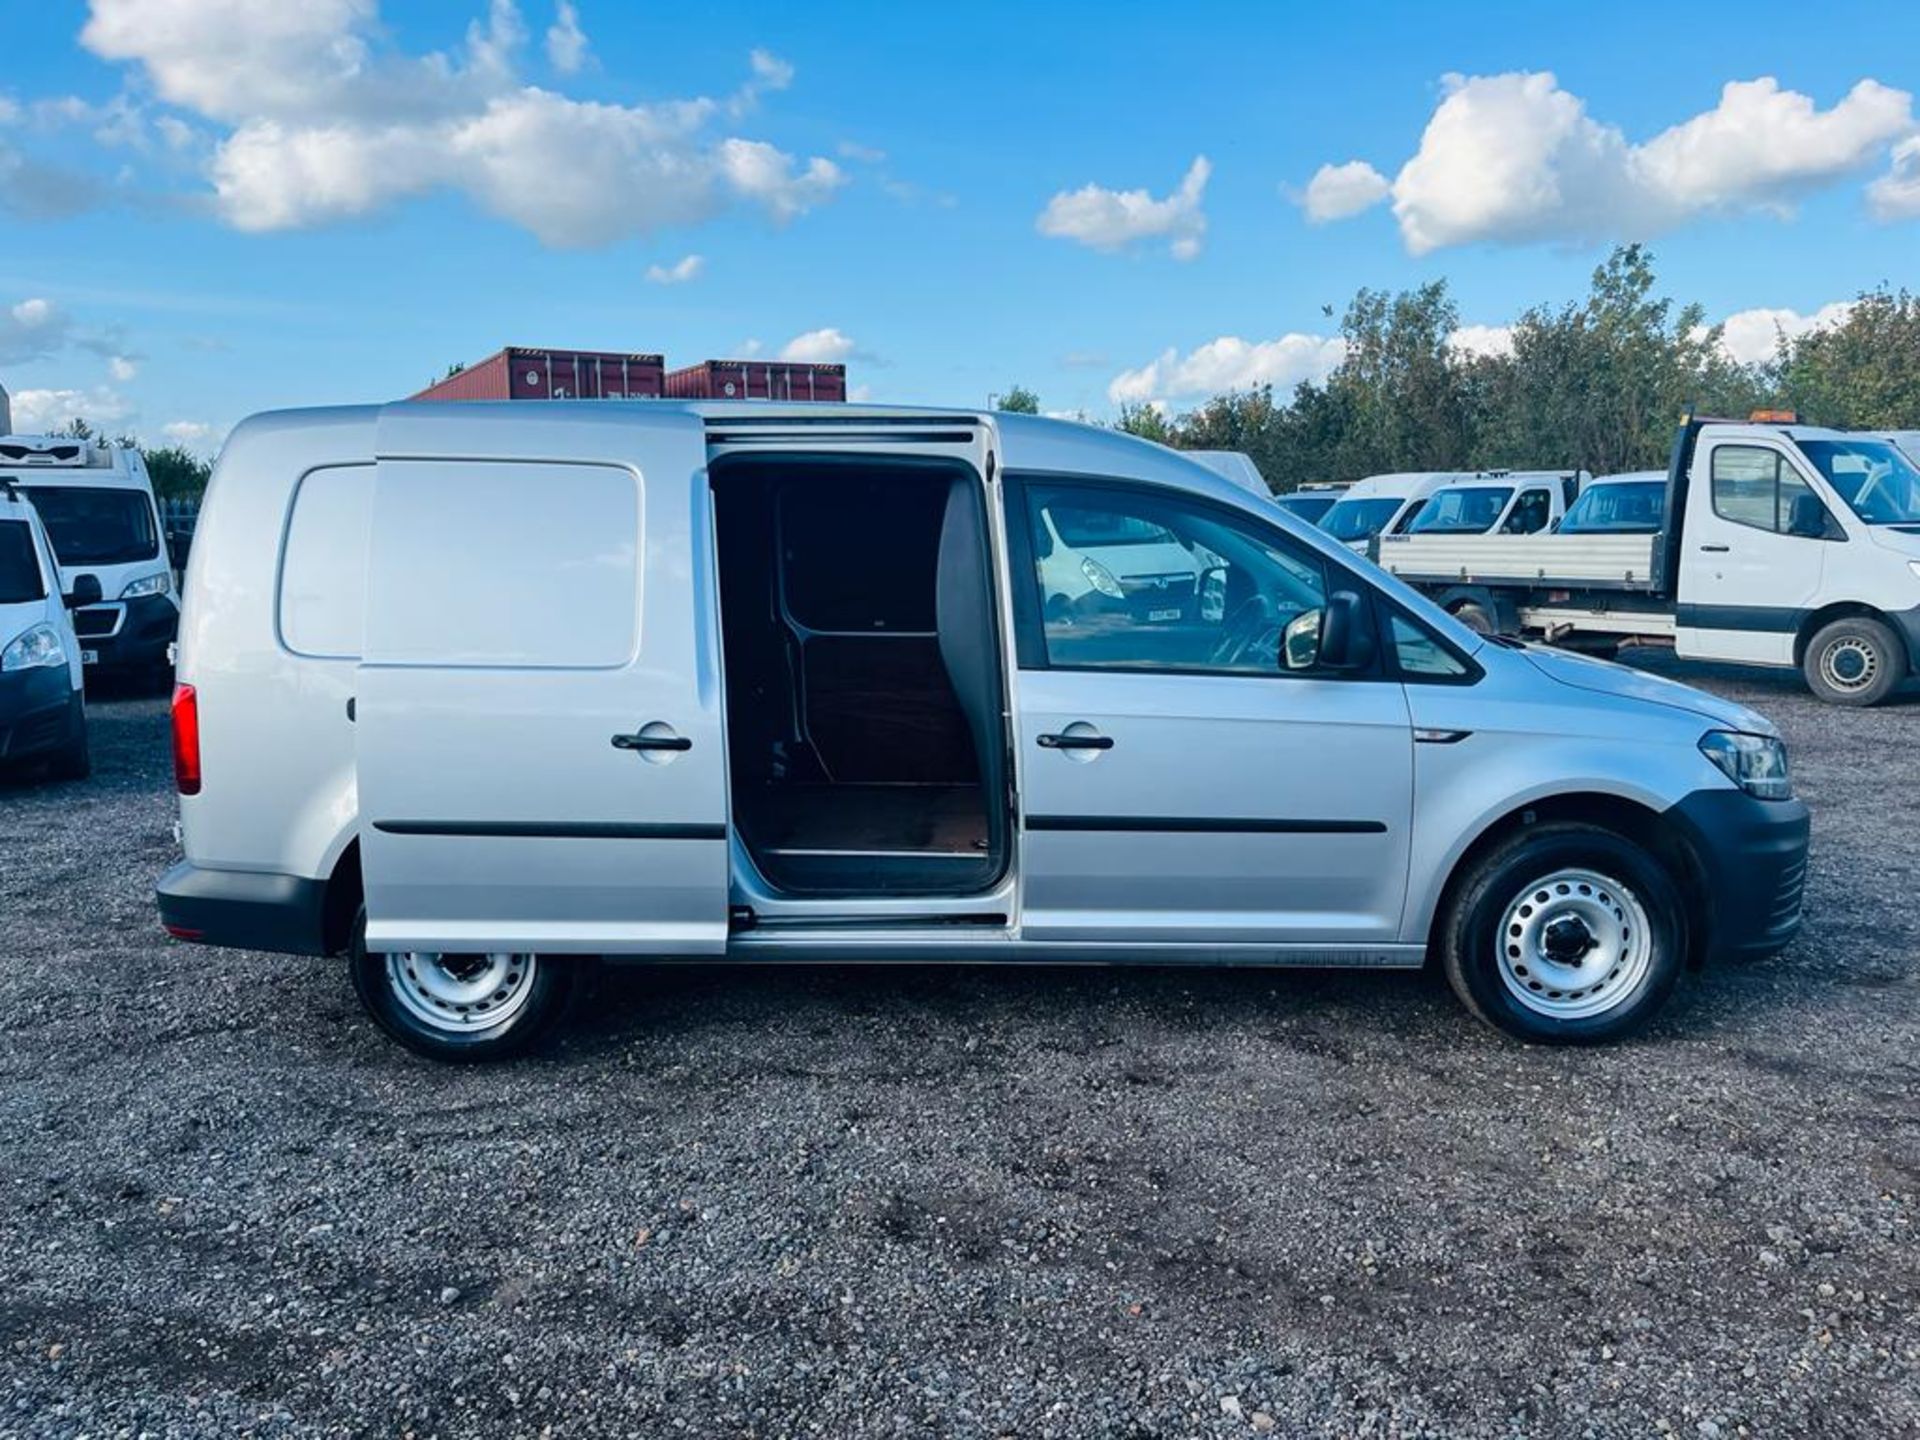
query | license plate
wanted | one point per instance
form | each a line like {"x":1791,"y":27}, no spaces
{"x":1154,"y":616}
{"x":89,"y":657}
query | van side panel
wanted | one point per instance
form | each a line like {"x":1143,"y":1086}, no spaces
{"x":276,"y":742}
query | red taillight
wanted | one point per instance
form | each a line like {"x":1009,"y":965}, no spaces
{"x":186,"y":740}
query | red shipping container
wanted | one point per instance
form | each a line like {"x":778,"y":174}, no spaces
{"x":757,"y":380}
{"x":517,"y":373}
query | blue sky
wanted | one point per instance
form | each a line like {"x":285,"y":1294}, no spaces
{"x":211,"y":207}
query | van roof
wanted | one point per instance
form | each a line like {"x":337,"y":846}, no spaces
{"x":1033,"y":443}
{"x":59,"y":460}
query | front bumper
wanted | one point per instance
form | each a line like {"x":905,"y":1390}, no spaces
{"x":128,"y":634}
{"x":1753,"y":857}
{"x":244,"y":909}
{"x":40,"y":711}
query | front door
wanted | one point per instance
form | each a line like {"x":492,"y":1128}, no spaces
{"x":538,"y":725}
{"x":1748,"y":574}
{"x":1178,"y":783}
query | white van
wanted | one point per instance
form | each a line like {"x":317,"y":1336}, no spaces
{"x":43,"y":713}
{"x":1497,"y":502}
{"x":97,"y":504}
{"x":472,"y":692}
{"x":1383,"y":505}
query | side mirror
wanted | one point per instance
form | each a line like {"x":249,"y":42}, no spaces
{"x":86,"y":591}
{"x":1808,"y":518}
{"x":1334,"y":637}
{"x":1213,"y":594}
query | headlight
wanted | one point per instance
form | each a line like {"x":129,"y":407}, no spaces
{"x":1101,"y":578}
{"x":147,"y":585}
{"x":38,"y":646}
{"x":1756,"y":763}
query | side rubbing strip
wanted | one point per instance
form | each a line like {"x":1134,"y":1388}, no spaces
{"x":1187,"y":825}
{"x":543,"y":830}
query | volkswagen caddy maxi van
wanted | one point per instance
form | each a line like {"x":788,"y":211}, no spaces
{"x":472,"y":693}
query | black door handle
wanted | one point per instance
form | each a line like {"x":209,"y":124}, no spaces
{"x":1717,"y":549}
{"x":638,"y":741}
{"x":1076,"y":742}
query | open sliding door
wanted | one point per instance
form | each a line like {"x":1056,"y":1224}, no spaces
{"x":540,"y":754}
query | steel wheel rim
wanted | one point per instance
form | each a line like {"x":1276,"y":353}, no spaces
{"x":1574,"y":944}
{"x":461,"y":994}
{"x":1859,"y":652}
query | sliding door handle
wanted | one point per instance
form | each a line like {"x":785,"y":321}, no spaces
{"x":640,"y":740}
{"x":1717,"y":549}
{"x":1076,"y":742}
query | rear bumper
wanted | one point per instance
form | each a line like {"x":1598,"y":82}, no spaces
{"x":40,"y":711}
{"x":244,"y":909}
{"x":1753,"y":857}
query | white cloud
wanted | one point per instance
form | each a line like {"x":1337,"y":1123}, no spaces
{"x":1338,"y":191}
{"x":1229,"y":363}
{"x":36,"y":412}
{"x":1896,"y":194}
{"x":747,"y":349}
{"x":861,"y":154}
{"x":121,"y":368}
{"x":1514,"y":158}
{"x":1489,"y":340}
{"x":34,"y":329}
{"x":566,"y":42}
{"x":860,"y":394}
{"x":1117,"y":219}
{"x":678,"y":273}
{"x":323,"y":122}
{"x":195,"y":435}
{"x":1753,"y":336}
{"x":819,"y":346}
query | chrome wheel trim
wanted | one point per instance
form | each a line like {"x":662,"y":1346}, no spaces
{"x":1857,"y":655}
{"x":461,"y":994}
{"x":1574,"y":944}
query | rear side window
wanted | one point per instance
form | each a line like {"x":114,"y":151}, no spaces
{"x":323,"y":574}
{"x":19,"y":566}
{"x":503,"y":564}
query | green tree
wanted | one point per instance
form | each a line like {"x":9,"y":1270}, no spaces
{"x":1149,"y":422}
{"x":1402,"y":381}
{"x":176,"y":472}
{"x":1018,"y":400}
{"x":1862,"y":374}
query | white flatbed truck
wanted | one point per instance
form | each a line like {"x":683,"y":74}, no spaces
{"x":1781,"y":544}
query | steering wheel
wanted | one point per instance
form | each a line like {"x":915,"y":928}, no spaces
{"x":1253,"y":620}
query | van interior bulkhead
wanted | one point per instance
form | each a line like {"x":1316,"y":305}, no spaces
{"x":865,"y":712}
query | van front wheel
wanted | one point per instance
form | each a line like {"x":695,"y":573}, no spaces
{"x":1855,"y":660}
{"x":464,"y":1007}
{"x":1565,"y":934}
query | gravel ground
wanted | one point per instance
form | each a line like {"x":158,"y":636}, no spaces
{"x":901,"y":1201}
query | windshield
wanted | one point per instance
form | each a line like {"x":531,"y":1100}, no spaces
{"x":1462,"y":512}
{"x":1090,"y":529}
{"x":96,"y":525}
{"x":1876,"y":479}
{"x":1308,"y":507}
{"x":1635,"y":509}
{"x":19,"y":566}
{"x":1359,"y":519}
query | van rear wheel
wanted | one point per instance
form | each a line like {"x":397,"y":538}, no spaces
{"x":1565,"y":934}
{"x":464,"y":1007}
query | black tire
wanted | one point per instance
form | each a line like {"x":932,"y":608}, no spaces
{"x":1475,"y":935}
{"x":1855,"y":660}
{"x":74,"y":760}
{"x":546,"y":1000}
{"x":1475,"y":617}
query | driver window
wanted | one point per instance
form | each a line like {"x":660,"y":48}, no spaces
{"x":1529,"y":514}
{"x":1137,"y":580}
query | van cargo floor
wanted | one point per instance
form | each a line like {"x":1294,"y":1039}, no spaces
{"x":943,"y":820}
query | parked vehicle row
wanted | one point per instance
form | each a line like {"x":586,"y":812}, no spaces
{"x":43,"y":713}
{"x":911,"y":684}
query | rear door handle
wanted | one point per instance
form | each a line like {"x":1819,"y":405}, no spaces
{"x":1717,"y":549}
{"x":639,"y":740}
{"x":1076,"y":742}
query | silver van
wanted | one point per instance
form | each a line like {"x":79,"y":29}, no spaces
{"x":470,"y":694}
